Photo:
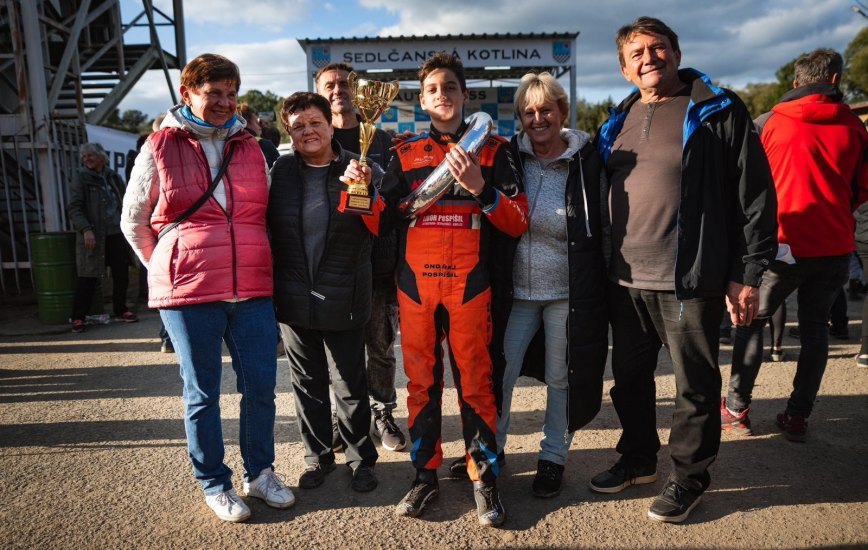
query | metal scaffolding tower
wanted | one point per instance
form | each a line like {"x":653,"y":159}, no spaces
{"x":64,"y":63}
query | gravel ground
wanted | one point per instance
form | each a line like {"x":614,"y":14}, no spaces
{"x":92,"y":455}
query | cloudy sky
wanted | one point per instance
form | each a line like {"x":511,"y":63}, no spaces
{"x":735,"y":42}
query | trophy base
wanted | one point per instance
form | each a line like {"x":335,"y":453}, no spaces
{"x":356,"y":204}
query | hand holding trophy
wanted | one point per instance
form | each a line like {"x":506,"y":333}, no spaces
{"x":371,"y":98}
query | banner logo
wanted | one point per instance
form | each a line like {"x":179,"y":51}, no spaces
{"x":561,"y":51}
{"x":321,"y":56}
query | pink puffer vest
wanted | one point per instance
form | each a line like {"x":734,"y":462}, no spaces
{"x":214,"y":254}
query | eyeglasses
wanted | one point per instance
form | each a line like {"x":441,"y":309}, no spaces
{"x":299,"y":128}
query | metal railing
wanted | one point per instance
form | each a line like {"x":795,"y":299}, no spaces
{"x":21,"y":201}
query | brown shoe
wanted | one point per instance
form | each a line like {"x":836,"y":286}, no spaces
{"x":795,"y":426}
{"x":129,"y":317}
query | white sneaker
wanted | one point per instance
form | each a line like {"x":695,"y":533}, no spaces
{"x":271,"y":489}
{"x":228,"y":506}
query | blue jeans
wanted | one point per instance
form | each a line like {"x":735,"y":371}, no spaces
{"x":250,"y":331}
{"x":524,"y":321}
{"x":818,"y":281}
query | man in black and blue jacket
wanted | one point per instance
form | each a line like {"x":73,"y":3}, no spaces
{"x":692,"y":212}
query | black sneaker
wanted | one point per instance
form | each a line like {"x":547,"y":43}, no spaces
{"x":840,"y":332}
{"x":388,"y":431}
{"x":547,"y":482}
{"x":674,"y":504}
{"x":489,"y":508}
{"x":314,"y":475}
{"x":622,"y":475}
{"x":420,"y":494}
{"x":364,"y":479}
{"x":458,"y":468}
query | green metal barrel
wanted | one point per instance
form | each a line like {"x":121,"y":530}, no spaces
{"x":52,"y":258}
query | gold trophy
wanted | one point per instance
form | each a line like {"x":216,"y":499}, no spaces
{"x":371,"y":98}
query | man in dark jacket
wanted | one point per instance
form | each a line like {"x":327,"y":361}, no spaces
{"x":692,"y":220}
{"x":331,"y":83}
{"x":816,"y":147}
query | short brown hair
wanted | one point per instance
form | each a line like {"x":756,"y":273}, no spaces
{"x":442,"y":60}
{"x":210,"y":67}
{"x":818,"y":66}
{"x":332,"y":67}
{"x":644,"y":25}
{"x":299,"y":101}
{"x":536,"y":88}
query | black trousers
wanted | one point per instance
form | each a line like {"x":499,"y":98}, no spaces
{"x":862,"y":251}
{"x":642,"y":322}
{"x":380,"y":333}
{"x":819,"y":281}
{"x":117,"y":257}
{"x":320,"y":357}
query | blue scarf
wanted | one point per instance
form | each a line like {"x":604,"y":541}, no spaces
{"x":188,"y":114}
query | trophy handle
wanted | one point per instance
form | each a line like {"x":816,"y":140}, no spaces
{"x":394,"y":88}
{"x":366,"y":137}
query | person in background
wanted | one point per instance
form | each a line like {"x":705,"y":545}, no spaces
{"x":251,"y":117}
{"x":777,"y":324}
{"x":270,"y":133}
{"x":131,"y":156}
{"x":165,"y":340}
{"x":817,"y":150}
{"x":838,"y":320}
{"x":856,"y":286}
{"x":453,"y":282}
{"x":861,"y":217}
{"x":559,"y":297}
{"x":128,"y":170}
{"x":94,"y":209}
{"x":380,"y":331}
{"x":322,"y":276}
{"x":209,"y":273}
{"x":693,"y":221}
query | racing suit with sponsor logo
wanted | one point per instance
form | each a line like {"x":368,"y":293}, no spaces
{"x":452,"y":259}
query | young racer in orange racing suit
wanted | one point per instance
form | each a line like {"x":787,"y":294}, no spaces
{"x":444,"y":280}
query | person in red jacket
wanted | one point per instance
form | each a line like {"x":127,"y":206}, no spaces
{"x":209,"y":273}
{"x":817,"y":149}
{"x":449,"y":267}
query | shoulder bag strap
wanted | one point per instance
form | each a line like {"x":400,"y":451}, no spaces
{"x":196,"y":205}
